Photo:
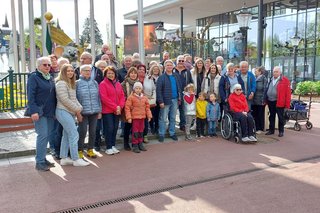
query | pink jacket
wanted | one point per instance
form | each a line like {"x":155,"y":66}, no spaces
{"x":112,"y":95}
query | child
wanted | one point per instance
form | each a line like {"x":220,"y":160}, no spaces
{"x":189,"y":100}
{"x":213,"y":114}
{"x":201,"y":109}
{"x":137,"y":109}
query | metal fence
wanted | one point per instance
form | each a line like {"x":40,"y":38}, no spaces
{"x":13,"y":91}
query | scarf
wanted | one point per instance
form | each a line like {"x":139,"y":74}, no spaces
{"x":45,"y":76}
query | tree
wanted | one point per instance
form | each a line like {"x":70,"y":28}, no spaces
{"x":86,"y":35}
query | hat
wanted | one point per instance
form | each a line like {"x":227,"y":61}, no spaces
{"x":137,"y":84}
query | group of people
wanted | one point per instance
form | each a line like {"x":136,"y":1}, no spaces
{"x":65,"y":102}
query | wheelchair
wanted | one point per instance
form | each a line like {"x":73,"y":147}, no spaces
{"x":232,"y":129}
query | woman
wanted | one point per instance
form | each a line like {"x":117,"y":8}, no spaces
{"x":127,"y":86}
{"x":42,"y":105}
{"x":67,"y":108}
{"x":258,"y":105}
{"x":154,"y":74}
{"x":148,"y":87}
{"x":240,"y":112}
{"x":88,"y":96}
{"x":198,"y":73}
{"x":211,"y":81}
{"x":112,"y":100}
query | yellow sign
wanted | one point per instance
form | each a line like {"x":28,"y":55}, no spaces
{"x":59,"y":37}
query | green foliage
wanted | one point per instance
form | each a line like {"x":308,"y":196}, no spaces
{"x":86,"y":35}
{"x":308,"y":87}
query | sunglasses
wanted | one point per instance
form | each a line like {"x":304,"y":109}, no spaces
{"x":46,"y":65}
{"x":180,"y":60}
{"x":238,"y":89}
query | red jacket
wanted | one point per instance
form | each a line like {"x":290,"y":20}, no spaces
{"x":238,"y":103}
{"x":112,"y":95}
{"x":283,"y":92}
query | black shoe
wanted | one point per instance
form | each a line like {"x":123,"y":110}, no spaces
{"x":135,"y":148}
{"x":182,"y":128}
{"x":161,"y":139}
{"x":174,"y":137}
{"x":127,"y":147}
{"x":49,"y":164}
{"x":141,"y":147}
{"x":280,"y":134}
{"x":57,"y":156}
{"x":269,"y":133}
{"x":42,"y":167}
{"x":214,"y":135}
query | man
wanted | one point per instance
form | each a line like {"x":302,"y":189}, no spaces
{"x":249,"y":82}
{"x":113,"y":61}
{"x":168,"y":96}
{"x":165,"y":57}
{"x":278,"y":97}
{"x":127,"y":63}
{"x":185,"y":79}
{"x":96,"y":74}
{"x":188,"y":61}
{"x":220,"y":62}
{"x":104,"y":50}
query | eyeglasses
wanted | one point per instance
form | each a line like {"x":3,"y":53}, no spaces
{"x":86,"y":70}
{"x":180,"y":60}
{"x":238,"y":89}
{"x":46,"y":65}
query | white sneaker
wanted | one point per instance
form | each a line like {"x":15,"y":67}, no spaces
{"x":66,"y":161}
{"x":109,"y":152}
{"x":80,"y":162}
{"x":259,"y":132}
{"x":253,"y":138}
{"x":246,"y":139}
{"x":115,"y":150}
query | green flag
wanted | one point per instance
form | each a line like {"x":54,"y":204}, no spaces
{"x":48,"y":41}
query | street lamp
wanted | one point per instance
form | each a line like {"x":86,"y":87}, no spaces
{"x":295,"y":40}
{"x":244,"y":17}
{"x":160,"y":34}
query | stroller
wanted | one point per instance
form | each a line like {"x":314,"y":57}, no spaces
{"x":299,"y":112}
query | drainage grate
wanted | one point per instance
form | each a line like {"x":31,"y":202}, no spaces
{"x":171,"y":188}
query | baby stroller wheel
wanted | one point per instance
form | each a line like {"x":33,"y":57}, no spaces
{"x":309,"y":125}
{"x":297,"y":127}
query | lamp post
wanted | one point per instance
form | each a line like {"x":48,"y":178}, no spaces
{"x":244,"y":17}
{"x":295,"y":40}
{"x":160,"y":34}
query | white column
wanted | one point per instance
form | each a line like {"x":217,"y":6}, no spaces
{"x":21,"y":29}
{"x":93,"y":40}
{"x":141,"y":30}
{"x":76,"y":18}
{"x":113,"y":28}
{"x":14,"y":41}
{"x":32,"y":65}
{"x":44,"y":27}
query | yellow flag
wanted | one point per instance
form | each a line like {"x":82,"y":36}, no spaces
{"x":59,"y":37}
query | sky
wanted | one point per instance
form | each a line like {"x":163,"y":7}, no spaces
{"x":64,"y":11}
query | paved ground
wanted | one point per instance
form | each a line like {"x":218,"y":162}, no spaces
{"x":211,"y":175}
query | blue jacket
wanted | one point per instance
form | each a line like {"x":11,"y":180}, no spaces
{"x":213,"y":111}
{"x":251,"y":80}
{"x":163,"y":90}
{"x":41,"y":93}
{"x":88,"y":96}
{"x":224,"y":87}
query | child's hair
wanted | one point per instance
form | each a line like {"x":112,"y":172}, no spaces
{"x":203,"y":94}
{"x":212,"y":93}
{"x":189,"y":86}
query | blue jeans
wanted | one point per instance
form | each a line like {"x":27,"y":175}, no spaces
{"x":43,"y":127}
{"x":55,"y":137}
{"x":110,"y":128}
{"x":70,"y":135}
{"x":164,"y":112}
{"x":212,"y":127}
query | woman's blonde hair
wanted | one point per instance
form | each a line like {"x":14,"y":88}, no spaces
{"x":152,"y":68}
{"x":188,"y":87}
{"x":63,"y":76}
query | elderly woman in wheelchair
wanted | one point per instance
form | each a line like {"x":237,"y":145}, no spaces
{"x":237,"y":121}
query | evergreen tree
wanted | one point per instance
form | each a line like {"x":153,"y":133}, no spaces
{"x":86,"y":36}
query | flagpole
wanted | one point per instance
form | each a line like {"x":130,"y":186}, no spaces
{"x":32,"y":56}
{"x":113,"y":28}
{"x":22,"y":46}
{"x":141,"y":30}
{"x":44,"y":27}
{"x":76,"y":18}
{"x":48,"y":16}
{"x":15,"y":41}
{"x":93,"y":36}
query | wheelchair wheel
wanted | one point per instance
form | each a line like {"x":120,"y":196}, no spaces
{"x":237,"y":139}
{"x":297,"y":127}
{"x":309,"y":125}
{"x":237,"y":132}
{"x":227,"y":126}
